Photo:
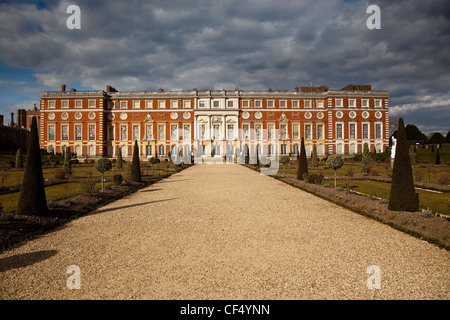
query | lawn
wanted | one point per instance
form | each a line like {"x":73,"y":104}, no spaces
{"x":437,"y":202}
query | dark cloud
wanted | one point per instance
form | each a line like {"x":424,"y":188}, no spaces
{"x":256,"y":44}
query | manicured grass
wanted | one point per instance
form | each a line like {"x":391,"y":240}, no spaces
{"x":435,"y":201}
{"x":425,"y":155}
{"x":57,"y":192}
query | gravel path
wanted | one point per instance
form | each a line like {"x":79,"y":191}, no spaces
{"x":224,"y":232}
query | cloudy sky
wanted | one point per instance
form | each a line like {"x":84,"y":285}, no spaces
{"x":221,"y":44}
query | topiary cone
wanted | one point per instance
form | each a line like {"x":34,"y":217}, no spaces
{"x":302,"y":163}
{"x":135,"y":165}
{"x":403,"y":196}
{"x":32,"y":199}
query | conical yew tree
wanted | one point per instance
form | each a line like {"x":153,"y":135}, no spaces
{"x":135,"y":164}
{"x":32,"y":200}
{"x":302,"y":163}
{"x":403,"y":196}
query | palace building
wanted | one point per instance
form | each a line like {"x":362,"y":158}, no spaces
{"x":97,"y":123}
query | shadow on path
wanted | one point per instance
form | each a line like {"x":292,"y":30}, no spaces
{"x":130,"y":206}
{"x":24,"y":260}
{"x":150,"y":190}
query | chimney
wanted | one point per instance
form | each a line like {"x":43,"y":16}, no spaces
{"x":297,"y":89}
{"x":1,"y":120}
{"x":63,"y":88}
{"x":12,"y":119}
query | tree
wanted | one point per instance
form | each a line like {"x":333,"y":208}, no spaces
{"x":103,"y":165}
{"x":32,"y":199}
{"x":302,"y":169}
{"x":119,"y":160}
{"x":437,"y":138}
{"x":135,"y":164}
{"x":414,"y":134}
{"x":403,"y":196}
{"x":67,"y":162}
{"x":335,"y":162}
{"x":314,"y":159}
{"x":284,"y":160}
{"x":19,"y":159}
{"x":438,"y":157}
{"x":366,"y":158}
{"x":153,"y":161}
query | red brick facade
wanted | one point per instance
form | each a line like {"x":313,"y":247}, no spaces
{"x":96,"y":123}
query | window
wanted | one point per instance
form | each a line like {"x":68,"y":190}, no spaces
{"x":110,"y":105}
{"x":148,"y":104}
{"x":245,"y":131}
{"x":186,"y":104}
{"x":319,"y":104}
{"x":173,"y":132}
{"x":338,"y":103}
{"x":92,"y":104}
{"x":186,"y":132}
{"x":365,"y":131}
{"x":258,"y":104}
{"x":78,"y":104}
{"x":352,"y":103}
{"x":51,"y":104}
{"x":230,"y":104}
{"x":201,"y":104}
{"x":174,"y":104}
{"x":161,"y":150}
{"x":296,"y":132}
{"x":283,"y":132}
{"x":307,"y":103}
{"x":308,"y":132}
{"x":91,"y":131}
{"x":230,"y":132}
{"x":65,"y":133}
{"x":216,"y":131}
{"x":295,"y":149}
{"x":148,"y":151}
{"x":136,"y":104}
{"x":161,"y":132}
{"x":320,"y":133}
{"x":161,"y":104}
{"x":51,"y":133}
{"x":245,"y":104}
{"x":65,"y":104}
{"x":111,"y":133}
{"x":92,"y":151}
{"x":270,"y":150}
{"x":295,"y":104}
{"x":271,"y":131}
{"x":378,"y":130}
{"x":124,"y":133}
{"x":216,"y":104}
{"x":78,"y":132}
{"x":203,"y":132}
{"x":257,"y":131}
{"x":365,"y":103}
{"x":339,"y":131}
{"x":377,"y":103}
{"x":283,"y":149}
{"x":148,"y":132}
{"x":136,"y":135}
{"x":283,"y":104}
{"x":270,"y":104}
{"x":352,"y":130}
